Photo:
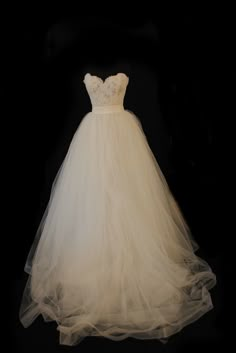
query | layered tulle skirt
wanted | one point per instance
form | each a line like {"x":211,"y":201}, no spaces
{"x":113,"y":255}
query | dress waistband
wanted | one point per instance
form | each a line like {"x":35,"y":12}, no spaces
{"x":108,"y":109}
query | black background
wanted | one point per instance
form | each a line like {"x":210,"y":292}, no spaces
{"x":182,"y":78}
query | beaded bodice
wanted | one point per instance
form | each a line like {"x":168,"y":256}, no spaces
{"x":109,"y":92}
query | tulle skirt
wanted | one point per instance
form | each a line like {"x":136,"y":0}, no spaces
{"x":113,"y":255}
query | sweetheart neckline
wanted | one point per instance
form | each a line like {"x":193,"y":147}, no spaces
{"x":108,"y":77}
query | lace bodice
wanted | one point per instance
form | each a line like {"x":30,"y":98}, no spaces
{"x":109,"y":92}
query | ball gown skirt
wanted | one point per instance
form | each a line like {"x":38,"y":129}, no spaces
{"x":113,"y":255}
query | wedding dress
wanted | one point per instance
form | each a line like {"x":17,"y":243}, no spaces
{"x":113,"y":255}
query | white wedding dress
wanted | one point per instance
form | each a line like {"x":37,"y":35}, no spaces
{"x":113,"y":255}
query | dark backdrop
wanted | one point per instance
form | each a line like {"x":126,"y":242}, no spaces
{"x":174,"y":90}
